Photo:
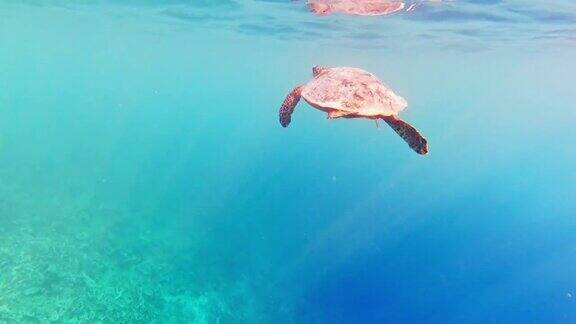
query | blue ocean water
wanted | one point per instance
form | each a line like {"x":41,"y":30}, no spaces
{"x":144,"y":177}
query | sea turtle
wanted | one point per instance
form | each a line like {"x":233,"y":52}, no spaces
{"x":356,"y":7}
{"x":353,"y":93}
{"x":364,"y":7}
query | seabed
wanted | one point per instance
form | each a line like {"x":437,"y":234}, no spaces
{"x":98,"y":265}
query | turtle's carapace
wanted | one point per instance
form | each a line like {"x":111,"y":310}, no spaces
{"x":346,"y":92}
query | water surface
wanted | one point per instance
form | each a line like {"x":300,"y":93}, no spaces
{"x":144,"y":176}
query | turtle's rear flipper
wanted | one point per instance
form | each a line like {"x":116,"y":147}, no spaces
{"x":288,"y":106}
{"x":408,"y":133}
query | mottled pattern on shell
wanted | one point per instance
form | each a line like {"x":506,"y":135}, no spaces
{"x":353,"y":90}
{"x":356,"y":7}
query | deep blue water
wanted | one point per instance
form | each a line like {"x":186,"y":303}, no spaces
{"x":144,"y":176}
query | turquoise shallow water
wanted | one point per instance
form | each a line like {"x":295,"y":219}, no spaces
{"x":144,"y":176}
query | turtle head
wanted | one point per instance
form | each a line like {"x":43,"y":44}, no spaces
{"x":319,"y":8}
{"x":319,"y":69}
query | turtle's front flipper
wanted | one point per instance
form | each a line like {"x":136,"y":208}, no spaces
{"x":408,"y":133}
{"x":288,"y":106}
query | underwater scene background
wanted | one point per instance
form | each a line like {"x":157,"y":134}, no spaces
{"x":144,"y":176}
